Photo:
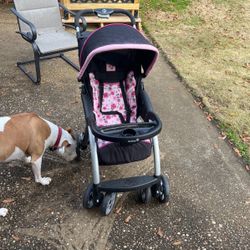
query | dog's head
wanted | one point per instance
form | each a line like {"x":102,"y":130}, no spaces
{"x":68,"y":146}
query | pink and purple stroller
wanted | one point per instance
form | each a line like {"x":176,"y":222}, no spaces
{"x":121,"y":126}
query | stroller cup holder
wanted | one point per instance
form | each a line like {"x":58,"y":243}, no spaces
{"x":129,"y":132}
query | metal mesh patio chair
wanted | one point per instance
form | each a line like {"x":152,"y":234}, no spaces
{"x":40,"y":24}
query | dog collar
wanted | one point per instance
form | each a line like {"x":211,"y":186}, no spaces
{"x":59,"y":135}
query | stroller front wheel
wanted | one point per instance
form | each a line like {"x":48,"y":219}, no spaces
{"x":88,"y":198}
{"x":108,"y":203}
{"x":163,"y":190}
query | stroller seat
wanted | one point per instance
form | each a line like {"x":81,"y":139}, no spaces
{"x":115,"y":103}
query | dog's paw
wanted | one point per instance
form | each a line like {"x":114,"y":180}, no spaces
{"x":45,"y":181}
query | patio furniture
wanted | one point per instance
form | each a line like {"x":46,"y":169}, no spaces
{"x":40,"y":24}
{"x":132,"y":6}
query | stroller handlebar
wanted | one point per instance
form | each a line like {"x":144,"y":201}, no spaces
{"x":101,"y":13}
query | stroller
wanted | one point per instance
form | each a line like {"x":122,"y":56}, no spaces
{"x":121,"y":126}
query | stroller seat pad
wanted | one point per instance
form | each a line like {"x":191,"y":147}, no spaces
{"x":108,"y":106}
{"x":112,"y":100}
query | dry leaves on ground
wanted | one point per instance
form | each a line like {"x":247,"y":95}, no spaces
{"x":128,"y":219}
{"x":160,"y":232}
{"x":210,"y":118}
{"x":8,"y":201}
{"x":237,"y":151}
{"x":118,"y":210}
{"x":26,"y":178}
{"x":177,"y":243}
{"x":16,"y":238}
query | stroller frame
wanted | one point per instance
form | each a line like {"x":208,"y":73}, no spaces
{"x":122,"y":185}
{"x":103,"y":193}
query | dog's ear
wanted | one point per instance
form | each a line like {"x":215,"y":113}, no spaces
{"x":66,"y":144}
{"x":69,"y":130}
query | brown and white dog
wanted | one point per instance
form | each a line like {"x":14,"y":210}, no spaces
{"x":26,"y":136}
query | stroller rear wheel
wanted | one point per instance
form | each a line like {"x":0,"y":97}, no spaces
{"x":145,"y":195}
{"x":108,"y":203}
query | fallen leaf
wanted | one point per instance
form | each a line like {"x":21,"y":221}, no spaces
{"x":246,"y":139}
{"x":177,"y":243}
{"x":26,"y":178}
{"x":8,"y":201}
{"x":172,"y":88}
{"x":160,"y":232}
{"x":128,"y":219}
{"x":248,"y":201}
{"x":246,"y":65}
{"x":197,"y":103}
{"x":209,"y":118}
{"x":223,"y":137}
{"x":16,"y":238}
{"x":247,"y":167}
{"x":236,"y":150}
{"x":118,"y":210}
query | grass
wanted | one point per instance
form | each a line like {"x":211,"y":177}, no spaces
{"x":208,"y":42}
{"x":164,"y":5}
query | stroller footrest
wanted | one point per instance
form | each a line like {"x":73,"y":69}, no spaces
{"x":128,"y":184}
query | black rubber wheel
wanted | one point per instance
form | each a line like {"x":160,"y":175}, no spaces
{"x":88,"y":197}
{"x":81,"y":144}
{"x":145,"y":195}
{"x":154,"y":189}
{"x":78,"y":147}
{"x":163,"y":189}
{"x":108,"y":203}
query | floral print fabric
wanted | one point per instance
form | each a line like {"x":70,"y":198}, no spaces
{"x":113,"y":101}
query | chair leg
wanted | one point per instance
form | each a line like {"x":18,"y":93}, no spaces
{"x":37,"y":58}
{"x":21,"y":65}
{"x":67,"y":60}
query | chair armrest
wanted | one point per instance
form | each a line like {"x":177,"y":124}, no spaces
{"x":69,"y":26}
{"x":66,"y":9}
{"x":29,"y":36}
{"x":70,"y":12}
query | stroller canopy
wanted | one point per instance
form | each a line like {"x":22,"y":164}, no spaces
{"x":112,"y":42}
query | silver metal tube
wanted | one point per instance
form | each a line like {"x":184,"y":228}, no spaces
{"x":157,"y":160}
{"x":94,"y":158}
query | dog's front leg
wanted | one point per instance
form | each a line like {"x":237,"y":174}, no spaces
{"x":36,"y":167}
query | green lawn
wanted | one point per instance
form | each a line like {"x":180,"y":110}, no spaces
{"x":208,"y":41}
